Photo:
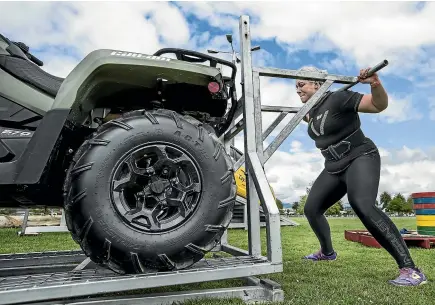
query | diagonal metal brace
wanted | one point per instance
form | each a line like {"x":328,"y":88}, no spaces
{"x":234,"y":131}
{"x":275,"y":123}
{"x":265,"y":134}
{"x":238,"y":127}
{"x":285,"y":132}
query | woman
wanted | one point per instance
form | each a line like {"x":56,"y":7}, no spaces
{"x":352,"y":166}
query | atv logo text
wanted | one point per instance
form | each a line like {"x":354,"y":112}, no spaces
{"x":19,"y":133}
{"x":137,"y":55}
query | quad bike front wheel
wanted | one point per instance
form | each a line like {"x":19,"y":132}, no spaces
{"x":151,"y":190}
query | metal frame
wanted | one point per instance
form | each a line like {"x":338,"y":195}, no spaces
{"x":32,"y":230}
{"x":87,"y":281}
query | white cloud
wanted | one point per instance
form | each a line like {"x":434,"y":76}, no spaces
{"x":171,"y":24}
{"x":407,"y":171}
{"x":399,"y":110}
{"x":296,"y":147}
{"x":342,"y":64}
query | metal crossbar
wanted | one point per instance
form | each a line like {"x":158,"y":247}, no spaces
{"x":39,"y":283}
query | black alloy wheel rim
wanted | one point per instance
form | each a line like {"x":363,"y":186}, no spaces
{"x":156,"y":188}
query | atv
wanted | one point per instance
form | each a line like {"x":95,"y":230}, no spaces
{"x":128,"y":145}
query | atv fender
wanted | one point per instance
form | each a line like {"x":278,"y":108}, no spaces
{"x":103,"y":71}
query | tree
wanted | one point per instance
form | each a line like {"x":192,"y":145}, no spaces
{"x":301,"y":204}
{"x":408,"y":206}
{"x":397,"y":204}
{"x":385,"y":199}
{"x":295,"y":205}
{"x":279,"y":204}
{"x":400,"y":197}
{"x":335,"y":209}
{"x":394,"y":206}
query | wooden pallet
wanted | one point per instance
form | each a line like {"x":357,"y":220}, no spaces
{"x":411,"y":239}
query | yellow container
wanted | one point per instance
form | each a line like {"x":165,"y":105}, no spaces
{"x":240,"y":176}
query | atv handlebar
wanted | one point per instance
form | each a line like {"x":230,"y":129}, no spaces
{"x":197,"y":57}
{"x":35,"y":60}
{"x":25,"y":50}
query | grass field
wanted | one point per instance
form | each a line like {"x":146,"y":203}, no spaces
{"x":359,"y":276}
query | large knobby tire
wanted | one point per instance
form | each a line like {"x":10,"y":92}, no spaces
{"x":101,"y":197}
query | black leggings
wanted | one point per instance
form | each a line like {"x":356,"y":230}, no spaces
{"x":360,"y":180}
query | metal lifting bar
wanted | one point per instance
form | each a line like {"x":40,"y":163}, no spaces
{"x":41,"y":278}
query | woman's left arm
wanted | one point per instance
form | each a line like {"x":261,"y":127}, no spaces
{"x":377,"y":101}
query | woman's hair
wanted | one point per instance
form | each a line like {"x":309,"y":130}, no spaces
{"x":313,"y":69}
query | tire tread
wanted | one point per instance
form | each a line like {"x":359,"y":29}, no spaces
{"x":80,"y":169}
{"x":120,"y":124}
{"x":133,"y":262}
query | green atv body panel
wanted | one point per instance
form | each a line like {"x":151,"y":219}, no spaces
{"x":103,"y":72}
{"x":13,"y":89}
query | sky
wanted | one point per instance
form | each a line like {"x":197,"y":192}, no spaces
{"x":340,"y":37}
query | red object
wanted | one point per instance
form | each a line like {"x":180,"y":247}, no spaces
{"x":364,"y":237}
{"x":422,"y":206}
{"x":213,"y":87}
{"x":422,"y":195}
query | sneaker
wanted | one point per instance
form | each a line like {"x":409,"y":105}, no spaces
{"x":319,"y":256}
{"x":409,"y":277}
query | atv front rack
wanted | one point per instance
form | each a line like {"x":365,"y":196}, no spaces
{"x":69,"y":278}
{"x":197,"y":57}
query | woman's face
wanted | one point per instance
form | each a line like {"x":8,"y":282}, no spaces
{"x":306,"y":89}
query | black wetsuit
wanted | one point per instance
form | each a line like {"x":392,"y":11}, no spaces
{"x":353,"y":169}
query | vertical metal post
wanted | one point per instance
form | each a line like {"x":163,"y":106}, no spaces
{"x":224,"y":240}
{"x":254,"y":156}
{"x":250,"y":136}
{"x":62,"y":219}
{"x":258,"y":115}
{"x":24,"y":224}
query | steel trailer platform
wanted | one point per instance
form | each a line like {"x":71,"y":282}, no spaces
{"x":70,"y":278}
{"x":66,"y":277}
